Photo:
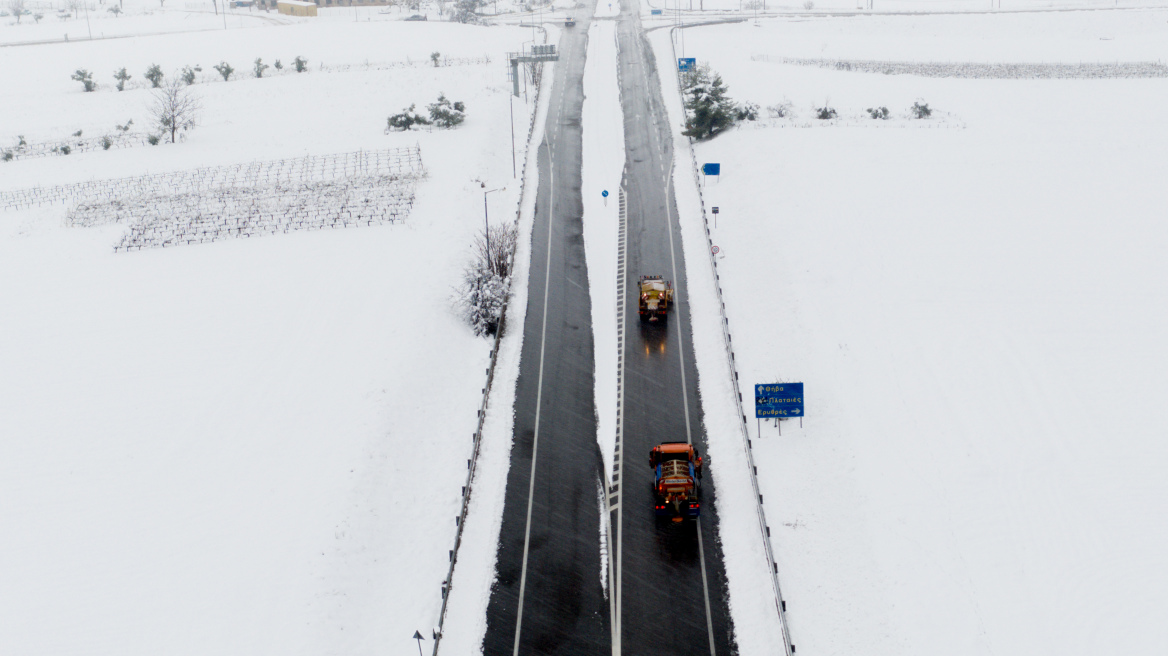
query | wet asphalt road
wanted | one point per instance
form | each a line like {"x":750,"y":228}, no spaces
{"x":663,"y":591}
{"x":556,"y":605}
{"x":564,"y":610}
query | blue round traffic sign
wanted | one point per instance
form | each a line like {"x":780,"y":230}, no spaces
{"x":604,"y":193}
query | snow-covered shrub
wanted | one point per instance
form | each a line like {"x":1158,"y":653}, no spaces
{"x":224,"y":69}
{"x":300,"y":64}
{"x":278,"y":65}
{"x":446,"y":115}
{"x":747,"y":112}
{"x":486,"y":282}
{"x":154,"y":74}
{"x":809,"y":5}
{"x":921,"y":110}
{"x":153,"y":139}
{"x":259,"y":67}
{"x":115,"y":10}
{"x":406,"y":119}
{"x":434,"y":57}
{"x":85,"y":78}
{"x":825,"y":113}
{"x":466,"y":11}
{"x":878,"y":112}
{"x":122,"y":77}
{"x":8,"y":156}
{"x":106,"y":142}
{"x":780,"y":110}
{"x":126,"y":127}
{"x":188,"y":74}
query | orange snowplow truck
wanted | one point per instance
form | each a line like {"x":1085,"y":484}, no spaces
{"x":656,"y":297}
{"x":677,"y":473}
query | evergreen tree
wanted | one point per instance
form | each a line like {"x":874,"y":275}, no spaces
{"x":709,"y":111}
{"x":122,"y":76}
{"x":446,"y":115}
{"x":154,"y":74}
{"x":224,"y":69}
{"x":85,"y":78}
{"x":406,"y":119}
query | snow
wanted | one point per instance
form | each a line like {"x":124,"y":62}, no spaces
{"x":603,"y":169}
{"x":977,"y":313}
{"x":257,"y":444}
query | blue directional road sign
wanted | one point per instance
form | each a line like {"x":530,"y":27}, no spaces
{"x":604,"y":193}
{"x":778,"y":400}
{"x":712,"y":168}
{"x":686,"y":63}
{"x":654,"y":12}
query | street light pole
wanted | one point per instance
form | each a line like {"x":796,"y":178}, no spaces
{"x":511,"y":102}
{"x":487,"y":224}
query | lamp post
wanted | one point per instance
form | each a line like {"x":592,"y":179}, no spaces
{"x":511,"y":102}
{"x":487,"y":224}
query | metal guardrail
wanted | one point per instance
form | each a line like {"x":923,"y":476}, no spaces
{"x":764,"y":529}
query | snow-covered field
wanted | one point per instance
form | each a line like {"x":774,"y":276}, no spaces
{"x":978,"y":313}
{"x":256,"y":445}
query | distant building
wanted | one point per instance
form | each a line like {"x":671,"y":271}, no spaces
{"x":351,"y":3}
{"x":296,"y":7}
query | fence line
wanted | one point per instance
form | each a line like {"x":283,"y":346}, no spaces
{"x":75,"y":144}
{"x":982,"y":70}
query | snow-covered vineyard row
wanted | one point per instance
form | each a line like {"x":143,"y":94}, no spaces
{"x":975,"y":70}
{"x":193,"y":218}
{"x":212,"y":76}
{"x":74,"y":145}
{"x":394,"y":162}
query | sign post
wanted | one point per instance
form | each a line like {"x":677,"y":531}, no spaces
{"x":778,"y":400}
{"x":604,"y":195}
{"x":418,"y":637}
{"x":712,"y":168}
{"x":715,"y":217}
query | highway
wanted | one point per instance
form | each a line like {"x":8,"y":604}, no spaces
{"x":671,"y":583}
{"x":668,"y":591}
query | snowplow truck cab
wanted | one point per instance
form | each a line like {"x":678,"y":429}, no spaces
{"x":656,"y":297}
{"x":677,"y":472}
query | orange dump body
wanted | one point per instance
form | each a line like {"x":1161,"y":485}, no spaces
{"x":677,"y":470}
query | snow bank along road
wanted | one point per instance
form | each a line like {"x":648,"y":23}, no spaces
{"x":548,"y":597}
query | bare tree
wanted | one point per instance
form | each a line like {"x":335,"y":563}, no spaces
{"x":175,"y":107}
{"x":16,"y":8}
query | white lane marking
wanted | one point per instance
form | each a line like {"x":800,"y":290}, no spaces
{"x":685,"y":400}
{"x":615,"y":621}
{"x":539,"y":392}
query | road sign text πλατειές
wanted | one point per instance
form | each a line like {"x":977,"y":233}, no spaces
{"x":778,"y":400}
